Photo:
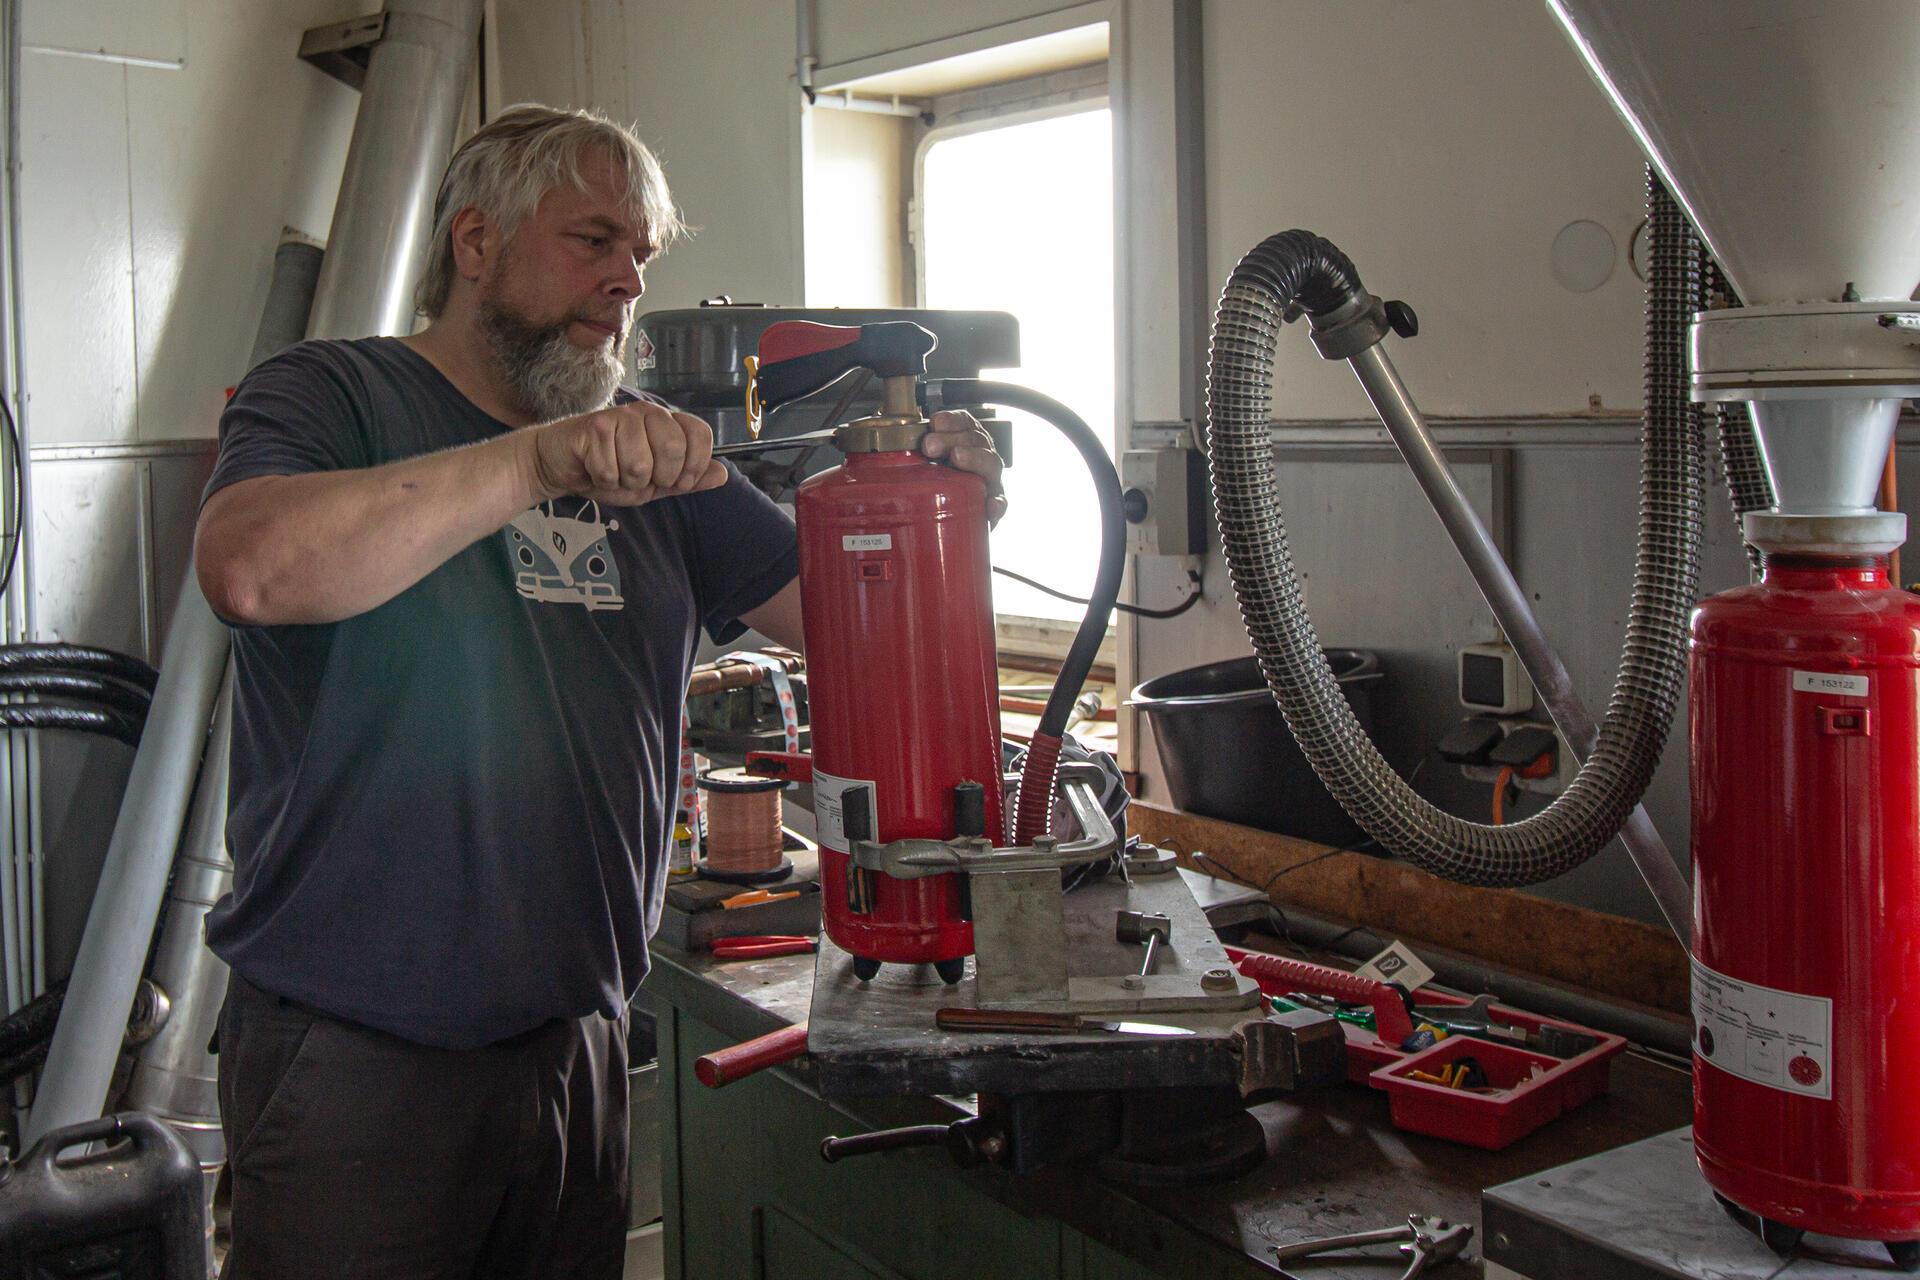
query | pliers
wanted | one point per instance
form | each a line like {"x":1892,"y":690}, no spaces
{"x":1431,"y":1242}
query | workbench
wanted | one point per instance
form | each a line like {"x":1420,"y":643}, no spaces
{"x":746,"y":1193}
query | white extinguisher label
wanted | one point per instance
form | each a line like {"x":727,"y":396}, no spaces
{"x":1828,"y":682}
{"x":844,"y":810}
{"x":1779,"y":1039}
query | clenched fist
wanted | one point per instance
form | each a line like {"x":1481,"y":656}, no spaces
{"x":625,"y":455}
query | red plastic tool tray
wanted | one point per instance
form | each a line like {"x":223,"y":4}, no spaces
{"x":1527,"y":1088}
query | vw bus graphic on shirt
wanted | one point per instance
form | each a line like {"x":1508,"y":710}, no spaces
{"x":565,"y":559}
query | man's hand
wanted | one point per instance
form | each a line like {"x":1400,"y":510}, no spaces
{"x":624,"y":455}
{"x":963,"y":442}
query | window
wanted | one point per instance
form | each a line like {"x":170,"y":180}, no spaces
{"x":1016,"y":214}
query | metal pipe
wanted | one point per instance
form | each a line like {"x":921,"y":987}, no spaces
{"x":175,"y":1077}
{"x":382,"y":221}
{"x":133,"y":879}
{"x":17,"y":753}
{"x":290,"y":291}
{"x":803,"y":59}
{"x":1550,"y":678}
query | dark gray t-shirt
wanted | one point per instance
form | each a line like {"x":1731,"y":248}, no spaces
{"x":450,"y":813}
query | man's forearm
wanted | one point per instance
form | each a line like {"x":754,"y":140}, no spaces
{"x":329,"y":545}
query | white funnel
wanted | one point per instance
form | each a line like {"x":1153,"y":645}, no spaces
{"x":1786,"y":128}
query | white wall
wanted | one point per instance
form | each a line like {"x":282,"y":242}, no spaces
{"x":859,"y":175}
{"x":1443,"y":146}
{"x":709,"y":87}
{"x":152,"y":198}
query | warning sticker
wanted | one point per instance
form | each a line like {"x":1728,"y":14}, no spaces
{"x":843,"y":810}
{"x":1828,"y":682}
{"x":866,"y":542}
{"x":1774,"y":1038}
{"x":1397,"y":964}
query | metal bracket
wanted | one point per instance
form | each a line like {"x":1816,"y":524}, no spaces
{"x":343,"y":49}
{"x":918,"y":859}
{"x":1297,"y":1050}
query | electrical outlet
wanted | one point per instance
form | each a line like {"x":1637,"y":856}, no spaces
{"x":1551,"y":785}
{"x":1560,"y":779}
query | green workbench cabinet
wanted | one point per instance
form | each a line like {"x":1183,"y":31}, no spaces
{"x":746,"y":1195}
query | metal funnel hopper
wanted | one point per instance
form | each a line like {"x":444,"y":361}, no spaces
{"x":1785,"y":128}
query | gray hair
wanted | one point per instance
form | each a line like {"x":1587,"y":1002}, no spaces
{"x":516,"y":158}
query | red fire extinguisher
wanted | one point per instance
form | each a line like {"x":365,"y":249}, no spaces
{"x":902,"y":668}
{"x":1805,"y":716}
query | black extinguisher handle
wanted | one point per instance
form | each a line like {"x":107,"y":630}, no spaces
{"x":798,"y":357}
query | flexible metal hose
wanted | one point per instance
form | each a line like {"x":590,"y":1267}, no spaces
{"x":1748,"y":488}
{"x":1299,"y":273}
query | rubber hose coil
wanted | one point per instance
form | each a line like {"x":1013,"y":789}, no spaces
{"x":1297,"y":273}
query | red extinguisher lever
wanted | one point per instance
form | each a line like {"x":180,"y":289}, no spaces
{"x":798,"y":357}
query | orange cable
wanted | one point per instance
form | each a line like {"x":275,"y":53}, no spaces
{"x":1500,"y":796}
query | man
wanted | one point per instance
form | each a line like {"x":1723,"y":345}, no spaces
{"x":465,"y":595}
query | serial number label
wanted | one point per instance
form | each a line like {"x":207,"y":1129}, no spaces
{"x":866,"y":542}
{"x":1828,"y":682}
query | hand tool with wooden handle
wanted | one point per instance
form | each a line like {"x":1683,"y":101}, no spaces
{"x":1018,"y":1020}
{"x":724,"y":1066}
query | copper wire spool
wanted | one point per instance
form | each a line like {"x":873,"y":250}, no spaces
{"x":743,"y":822}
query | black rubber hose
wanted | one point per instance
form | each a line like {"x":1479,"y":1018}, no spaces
{"x":13,"y":1066}
{"x":33,"y":1021}
{"x":1297,"y":273}
{"x":76,"y":657}
{"x":1113,"y":527}
{"x":48,"y":715}
{"x":79,"y":688}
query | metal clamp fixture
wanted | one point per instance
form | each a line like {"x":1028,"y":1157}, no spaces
{"x":1362,"y":321}
{"x":1079,"y":784}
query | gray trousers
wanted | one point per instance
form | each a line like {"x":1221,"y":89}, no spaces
{"x":356,"y":1153}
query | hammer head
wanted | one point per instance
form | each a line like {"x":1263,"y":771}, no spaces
{"x":1138,"y":926}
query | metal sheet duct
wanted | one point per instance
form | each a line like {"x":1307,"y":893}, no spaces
{"x":401,"y":140}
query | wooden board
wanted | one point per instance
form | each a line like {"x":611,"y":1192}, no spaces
{"x":1617,"y":957}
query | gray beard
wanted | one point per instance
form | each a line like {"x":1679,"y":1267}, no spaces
{"x":551,"y":377}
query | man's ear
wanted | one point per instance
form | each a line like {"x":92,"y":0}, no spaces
{"x":476,"y":242}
